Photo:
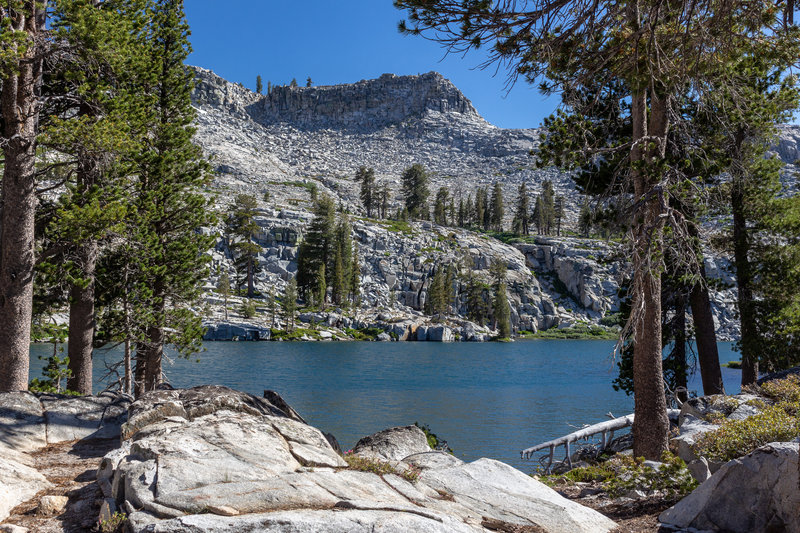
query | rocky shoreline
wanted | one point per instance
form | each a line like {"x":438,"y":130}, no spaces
{"x":211,"y":459}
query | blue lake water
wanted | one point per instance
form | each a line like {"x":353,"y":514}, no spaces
{"x":486,"y":400}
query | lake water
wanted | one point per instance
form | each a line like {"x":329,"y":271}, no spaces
{"x":486,"y":400}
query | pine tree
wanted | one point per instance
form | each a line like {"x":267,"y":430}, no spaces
{"x":440,"y":207}
{"x":355,"y":280}
{"x":167,"y":203}
{"x":309,"y":82}
{"x":502,"y":311}
{"x":480,"y":207}
{"x":462,"y":213}
{"x":21,"y":72}
{"x":259,"y":84}
{"x":318,"y":248}
{"x":558,"y":213}
{"x":242,"y":229}
{"x":415,"y":191}
{"x":289,"y":304}
{"x":321,"y":295}
{"x":339,"y":282}
{"x":498,"y":210}
{"x":522,"y":212}
{"x":384,"y":199}
{"x":90,"y":111}
{"x":369,"y":196}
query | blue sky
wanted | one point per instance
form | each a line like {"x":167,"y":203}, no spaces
{"x":342,"y":42}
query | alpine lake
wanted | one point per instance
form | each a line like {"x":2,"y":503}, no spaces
{"x":484,"y":399}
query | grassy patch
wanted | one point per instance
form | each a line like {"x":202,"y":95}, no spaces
{"x":295,"y":335}
{"x":364,"y":334}
{"x":310,"y":187}
{"x":576,"y":333}
{"x":736,"y":365}
{"x":380,"y":468}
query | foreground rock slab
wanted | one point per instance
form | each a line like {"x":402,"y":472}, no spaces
{"x":211,"y":459}
{"x":30,"y":422}
{"x":753,"y":494}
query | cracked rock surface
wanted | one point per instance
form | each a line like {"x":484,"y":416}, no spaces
{"x":211,"y":459}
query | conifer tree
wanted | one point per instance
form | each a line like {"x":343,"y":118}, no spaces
{"x":242,"y":229}
{"x":90,"y":110}
{"x":289,"y":304}
{"x":355,"y":280}
{"x":23,"y":26}
{"x":384,"y":199}
{"x":369,"y":195}
{"x":480,"y":207}
{"x":502,"y":311}
{"x":321,"y":294}
{"x":498,"y":209}
{"x":168,"y":206}
{"x":415,"y":191}
{"x":318,"y":248}
{"x":259,"y":84}
{"x":522,"y":211}
{"x":440,"y":207}
{"x":462,"y":213}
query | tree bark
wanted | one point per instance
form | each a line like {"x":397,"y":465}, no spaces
{"x":141,"y":370}
{"x":706,"y":337}
{"x":155,"y":345}
{"x":20,"y":111}
{"x":741,"y":251}
{"x":82,"y":321}
{"x":651,"y":425}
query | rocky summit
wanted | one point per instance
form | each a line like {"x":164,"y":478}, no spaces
{"x":282,"y":147}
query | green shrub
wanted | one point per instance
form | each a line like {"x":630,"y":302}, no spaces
{"x":671,"y":478}
{"x":114,"y":524}
{"x":433,"y":439}
{"x":735,"y":438}
{"x":787,"y":389}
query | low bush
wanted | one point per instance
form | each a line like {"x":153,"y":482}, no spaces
{"x":735,"y":438}
{"x":671,"y":478}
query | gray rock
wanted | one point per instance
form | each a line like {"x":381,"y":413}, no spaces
{"x":74,"y":418}
{"x":22,"y":426}
{"x":18,"y":483}
{"x":699,"y":469}
{"x":690,"y":429}
{"x":393,"y":444}
{"x":753,"y":494}
{"x":239,"y":468}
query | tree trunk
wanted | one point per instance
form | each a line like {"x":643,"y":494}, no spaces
{"x":141,"y":369}
{"x":155,"y":355}
{"x":706,"y":336}
{"x":651,"y":425}
{"x":681,"y":368}
{"x":251,"y":288}
{"x":82,"y":322}
{"x":156,"y":338}
{"x":741,"y":251}
{"x":20,"y":114}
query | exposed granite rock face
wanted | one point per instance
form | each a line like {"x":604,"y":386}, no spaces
{"x":210,"y":464}
{"x":297,"y":138}
{"x":393,"y":444}
{"x":757,"y":493}
{"x":363,"y":106}
{"x":29,"y":422}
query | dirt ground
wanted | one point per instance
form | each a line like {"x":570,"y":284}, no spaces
{"x":632,"y":516}
{"x":71,"y":468}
